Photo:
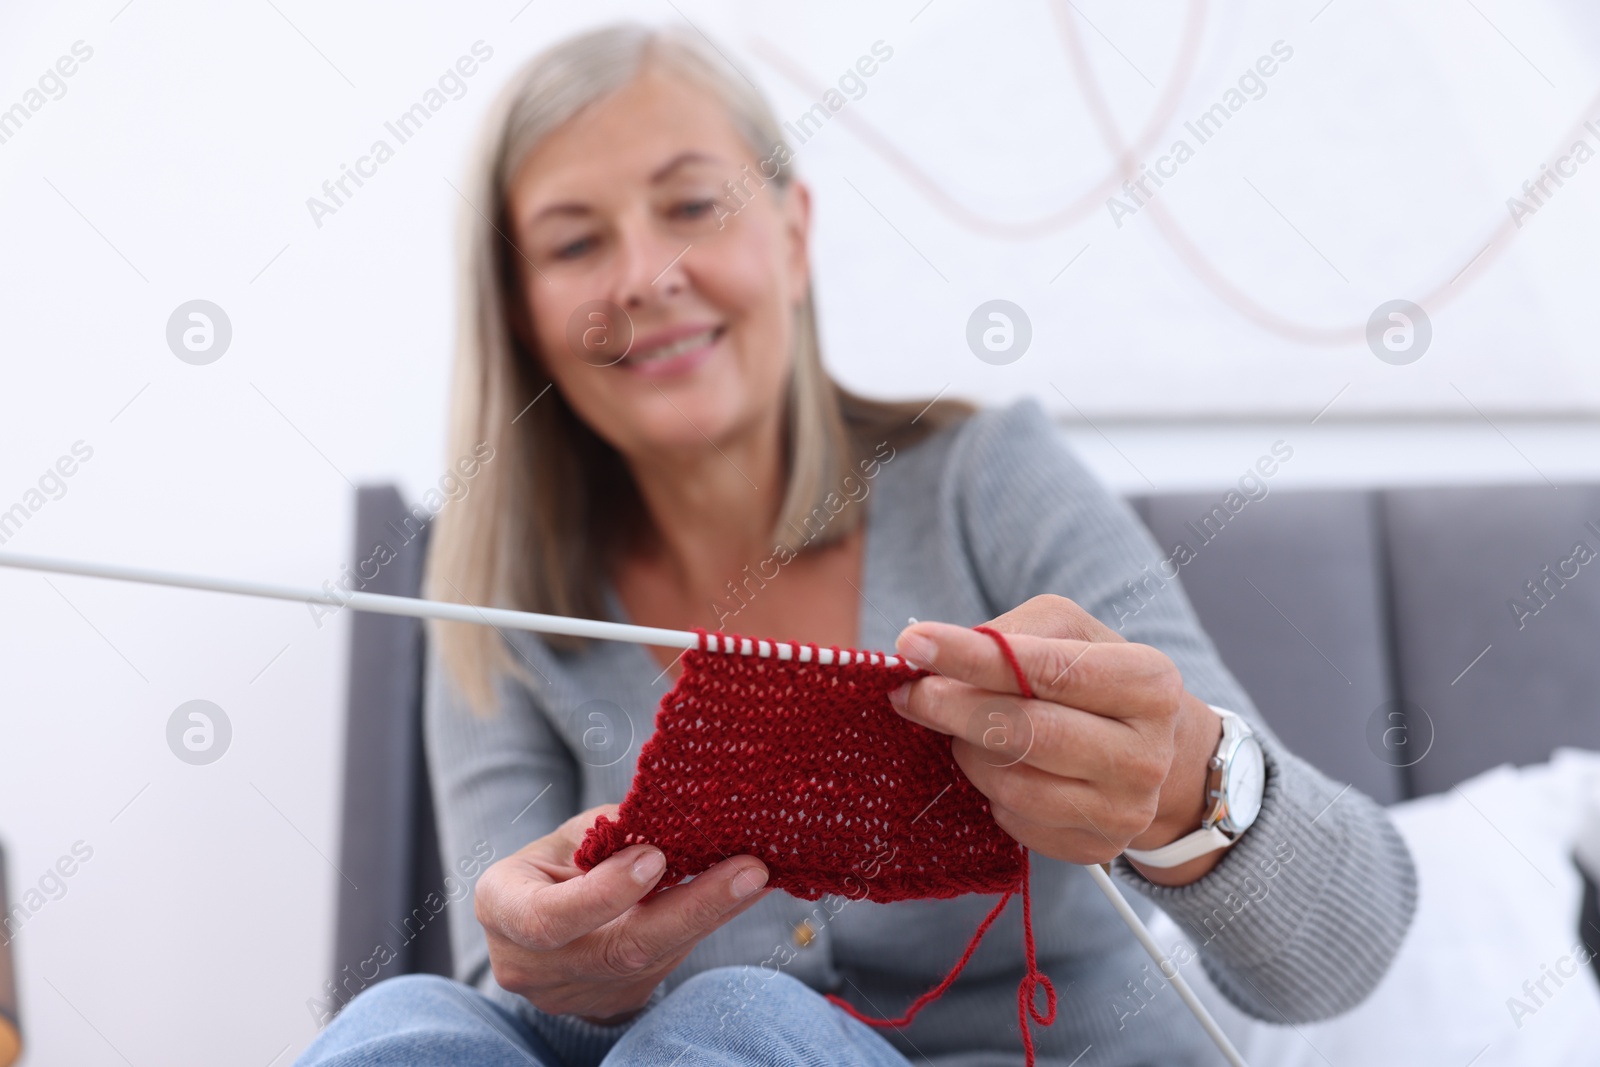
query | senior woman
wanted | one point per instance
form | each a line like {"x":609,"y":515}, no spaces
{"x":638,"y":346}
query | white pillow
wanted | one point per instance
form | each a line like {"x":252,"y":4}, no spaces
{"x":1497,"y":907}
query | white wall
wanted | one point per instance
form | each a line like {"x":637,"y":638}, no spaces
{"x":177,"y":165}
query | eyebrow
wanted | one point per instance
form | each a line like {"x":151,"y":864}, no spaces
{"x":680,"y":160}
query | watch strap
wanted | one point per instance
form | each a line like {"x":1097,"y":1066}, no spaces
{"x":1206,"y":839}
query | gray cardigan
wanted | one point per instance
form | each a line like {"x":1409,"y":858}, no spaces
{"x":1297,"y":922}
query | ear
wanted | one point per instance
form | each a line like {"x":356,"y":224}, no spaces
{"x":797,"y":238}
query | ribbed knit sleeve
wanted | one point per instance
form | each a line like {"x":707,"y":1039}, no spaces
{"x":507,"y":779}
{"x":1302,"y":917}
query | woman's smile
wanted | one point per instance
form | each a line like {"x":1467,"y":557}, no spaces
{"x":672,"y":352}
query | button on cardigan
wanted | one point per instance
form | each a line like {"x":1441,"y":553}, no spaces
{"x":1298,"y":921}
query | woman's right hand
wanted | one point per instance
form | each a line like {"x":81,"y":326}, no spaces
{"x":580,"y":943}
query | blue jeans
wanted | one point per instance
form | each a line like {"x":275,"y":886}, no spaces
{"x":424,"y":1020}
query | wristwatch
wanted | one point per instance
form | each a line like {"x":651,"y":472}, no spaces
{"x":1235,"y":785}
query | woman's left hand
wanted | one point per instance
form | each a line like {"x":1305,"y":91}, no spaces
{"x":1111,"y":752}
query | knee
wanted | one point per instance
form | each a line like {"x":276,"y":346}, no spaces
{"x":413,"y":1002}
{"x":417,"y":1019}
{"x":739,"y":982}
{"x":421,"y":987}
{"x":410,"y":992}
{"x":726,"y":993}
{"x":739,"y":1015}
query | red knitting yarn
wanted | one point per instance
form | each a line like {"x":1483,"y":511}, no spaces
{"x":808,"y":768}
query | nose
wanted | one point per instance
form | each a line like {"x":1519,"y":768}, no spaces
{"x":649,"y":264}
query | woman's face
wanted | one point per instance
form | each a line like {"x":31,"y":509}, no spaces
{"x":625,"y":207}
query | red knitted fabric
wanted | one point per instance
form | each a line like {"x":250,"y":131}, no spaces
{"x":807,"y":767}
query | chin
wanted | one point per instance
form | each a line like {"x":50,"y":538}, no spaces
{"x":712,"y":406}
{"x":683,"y":426}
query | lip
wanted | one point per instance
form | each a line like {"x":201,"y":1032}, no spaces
{"x":683,"y":362}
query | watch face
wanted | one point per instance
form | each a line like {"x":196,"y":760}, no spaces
{"x":1246,"y":782}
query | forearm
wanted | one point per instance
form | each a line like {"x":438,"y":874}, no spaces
{"x":1300,"y":918}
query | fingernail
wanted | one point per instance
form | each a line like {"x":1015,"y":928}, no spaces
{"x":919,"y":647}
{"x":897,"y":696}
{"x":748,"y":881}
{"x":648,"y":866}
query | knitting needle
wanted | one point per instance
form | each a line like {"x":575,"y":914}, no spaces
{"x":415,"y":607}
{"x":1168,"y":969}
